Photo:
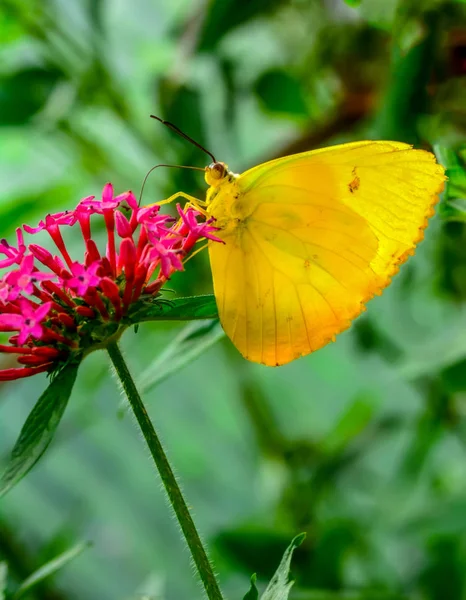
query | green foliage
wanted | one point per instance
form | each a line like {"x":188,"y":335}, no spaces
{"x":49,"y":569}
{"x":192,"y":341}
{"x":453,"y":208}
{"x":40,"y":427}
{"x":280,"y":585}
{"x":252,"y":593}
{"x":178,"y":309}
{"x":281,"y":93}
{"x":33,"y":86}
{"x":45,"y":571}
{"x":228,"y":15}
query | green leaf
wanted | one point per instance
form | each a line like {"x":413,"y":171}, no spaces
{"x":191,"y":342}
{"x":280,"y":92}
{"x":455,"y":171}
{"x":3,"y":576}
{"x":280,"y":585}
{"x":453,"y":206}
{"x":353,"y":3}
{"x":454,"y":210}
{"x":254,"y":550}
{"x":179,"y":309}
{"x":40,"y":427}
{"x":50,"y":568}
{"x":253,"y":593}
{"x":354,"y":419}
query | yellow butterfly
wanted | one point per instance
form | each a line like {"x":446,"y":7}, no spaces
{"x":310,"y":238}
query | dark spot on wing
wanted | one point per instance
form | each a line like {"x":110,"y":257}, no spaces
{"x":354,"y":184}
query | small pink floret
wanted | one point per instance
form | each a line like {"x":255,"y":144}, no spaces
{"x":156,"y":225}
{"x":51,"y":223}
{"x":191,"y":224}
{"x":23,"y":280}
{"x":28,"y":322}
{"x":169,"y":259}
{"x":83,"y":277}
{"x":108,"y":202}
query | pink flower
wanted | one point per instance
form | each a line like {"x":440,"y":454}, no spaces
{"x":13,"y":255}
{"x":155,"y":224}
{"x":194,"y":229}
{"x":25,"y":278}
{"x":108,"y":202}
{"x":83,"y":277}
{"x":52,"y":225}
{"x":28,"y":322}
{"x":53,"y":221}
{"x":167,"y":257}
{"x":61,"y":306}
{"x":123,"y":226}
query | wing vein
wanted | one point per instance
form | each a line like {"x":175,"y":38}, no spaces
{"x":351,"y":237}
{"x":287,"y":276}
{"x":227,"y":263}
{"x":261,"y":311}
{"x":275,"y":316}
{"x":316,"y":263}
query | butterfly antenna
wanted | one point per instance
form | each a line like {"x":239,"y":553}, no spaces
{"x":186,"y":137}
{"x":170,"y":167}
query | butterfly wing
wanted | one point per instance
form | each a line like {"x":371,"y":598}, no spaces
{"x":311,"y":238}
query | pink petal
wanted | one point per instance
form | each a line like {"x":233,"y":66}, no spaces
{"x":107,"y":193}
{"x":11,"y":321}
{"x":42,"y":311}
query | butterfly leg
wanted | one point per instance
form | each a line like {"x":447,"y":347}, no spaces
{"x":203,"y":247}
{"x":192,"y":201}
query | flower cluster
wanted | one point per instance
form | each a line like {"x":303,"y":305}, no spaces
{"x":59,"y":306}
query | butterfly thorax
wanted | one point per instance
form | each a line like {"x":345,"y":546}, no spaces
{"x":223,"y":196}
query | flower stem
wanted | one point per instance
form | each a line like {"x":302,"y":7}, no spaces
{"x":168,"y":478}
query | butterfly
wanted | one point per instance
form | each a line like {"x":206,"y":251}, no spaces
{"x":310,"y":238}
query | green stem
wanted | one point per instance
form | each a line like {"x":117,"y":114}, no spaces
{"x":168,"y":478}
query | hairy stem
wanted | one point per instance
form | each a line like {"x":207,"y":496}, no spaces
{"x":168,"y":478}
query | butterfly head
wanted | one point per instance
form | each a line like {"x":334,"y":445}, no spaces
{"x":215,"y":173}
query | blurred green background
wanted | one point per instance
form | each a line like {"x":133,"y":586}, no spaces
{"x":363,"y":444}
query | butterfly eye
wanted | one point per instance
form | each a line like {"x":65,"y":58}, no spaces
{"x":218,"y":170}
{"x":215,"y":172}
